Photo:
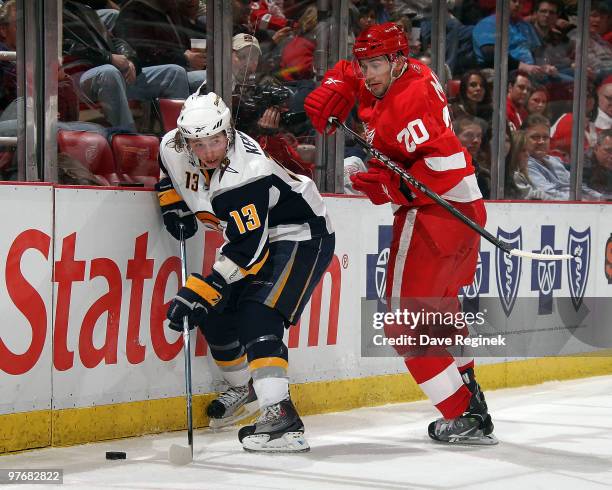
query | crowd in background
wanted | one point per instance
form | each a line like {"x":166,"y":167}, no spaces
{"x":123,"y":58}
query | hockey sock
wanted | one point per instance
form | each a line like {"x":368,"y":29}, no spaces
{"x":271,"y":390}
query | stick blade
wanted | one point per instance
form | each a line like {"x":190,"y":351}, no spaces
{"x":180,"y":455}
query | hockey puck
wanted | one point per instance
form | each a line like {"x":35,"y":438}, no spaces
{"x":115,"y":455}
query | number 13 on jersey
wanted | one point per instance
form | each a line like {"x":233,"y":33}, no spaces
{"x":247,"y":219}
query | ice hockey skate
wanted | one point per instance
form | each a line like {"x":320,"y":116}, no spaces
{"x":232,"y":406}
{"x":474,"y":427}
{"x":278,"y":429}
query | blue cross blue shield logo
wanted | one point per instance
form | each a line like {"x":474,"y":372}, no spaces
{"x":481,"y":277}
{"x":471,"y":293}
{"x":376,"y":263}
{"x":578,"y":245}
{"x":508,"y":269}
{"x":546,"y":274}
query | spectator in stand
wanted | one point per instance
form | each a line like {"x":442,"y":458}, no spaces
{"x":107,"y":10}
{"x":518,"y":183}
{"x":413,"y":34}
{"x":537,"y":102}
{"x":116,"y":75}
{"x":240,"y":16}
{"x":267,"y":21}
{"x":67,"y":98}
{"x":366,"y":17}
{"x":266,"y":15}
{"x":385,"y":11}
{"x":470,"y":132}
{"x":601,"y":164}
{"x":459,"y":54}
{"x":297,"y":54}
{"x":599,"y":53}
{"x":421,"y":9}
{"x":8,"y":69}
{"x":523,"y":40}
{"x":189,"y":23}
{"x":554,"y":46}
{"x":474,"y":99}
{"x":359,"y":14}
{"x":190,"y":19}
{"x":245,"y":58}
{"x":561,"y":131}
{"x":603,"y":117}
{"x":281,"y":144}
{"x":149,"y":26}
{"x":546,"y":171}
{"x":519,"y":88}
{"x":470,"y":12}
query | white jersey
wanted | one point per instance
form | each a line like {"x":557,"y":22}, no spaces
{"x":253,"y":199}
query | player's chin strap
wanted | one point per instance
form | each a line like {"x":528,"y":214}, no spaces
{"x":391,"y":165}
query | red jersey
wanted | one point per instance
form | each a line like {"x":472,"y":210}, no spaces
{"x":515,"y":115}
{"x":262,"y":17}
{"x":561,"y":136}
{"x":411,"y":124}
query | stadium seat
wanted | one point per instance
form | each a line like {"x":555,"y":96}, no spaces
{"x":136,"y":157}
{"x":92,"y":150}
{"x":169,"y":110}
{"x":452,"y":88}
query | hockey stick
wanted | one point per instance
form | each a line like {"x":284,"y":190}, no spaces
{"x":391,"y":165}
{"x":178,"y":454}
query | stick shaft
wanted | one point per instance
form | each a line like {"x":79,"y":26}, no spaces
{"x":186,"y":347}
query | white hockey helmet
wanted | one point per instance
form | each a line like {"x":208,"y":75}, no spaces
{"x":204,"y":115}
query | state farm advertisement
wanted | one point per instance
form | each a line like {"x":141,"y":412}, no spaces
{"x":85,"y":302}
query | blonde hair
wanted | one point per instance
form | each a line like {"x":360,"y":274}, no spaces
{"x":308,"y":20}
{"x":519,"y":140}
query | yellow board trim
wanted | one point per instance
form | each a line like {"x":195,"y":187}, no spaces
{"x":25,"y":430}
{"x":268,"y":362}
{"x":28,"y":430}
{"x":235,"y":362}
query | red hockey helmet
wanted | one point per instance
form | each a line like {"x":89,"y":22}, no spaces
{"x":380,"y":40}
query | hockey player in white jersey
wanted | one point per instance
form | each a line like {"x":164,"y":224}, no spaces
{"x":278,"y":243}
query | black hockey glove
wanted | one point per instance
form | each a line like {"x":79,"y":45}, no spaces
{"x":196,"y":299}
{"x":175,"y":211}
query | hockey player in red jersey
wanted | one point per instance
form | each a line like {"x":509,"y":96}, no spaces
{"x":433,"y":254}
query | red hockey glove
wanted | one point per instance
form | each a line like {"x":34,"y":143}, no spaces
{"x":382,"y":185}
{"x":333,"y":98}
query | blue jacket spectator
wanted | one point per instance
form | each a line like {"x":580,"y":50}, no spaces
{"x":546,"y":172}
{"x":522,"y":40}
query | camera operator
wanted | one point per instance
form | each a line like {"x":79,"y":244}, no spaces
{"x":267,"y":108}
{"x":270,"y":113}
{"x":245,"y":58}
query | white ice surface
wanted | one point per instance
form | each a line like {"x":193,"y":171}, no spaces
{"x":552,"y":436}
